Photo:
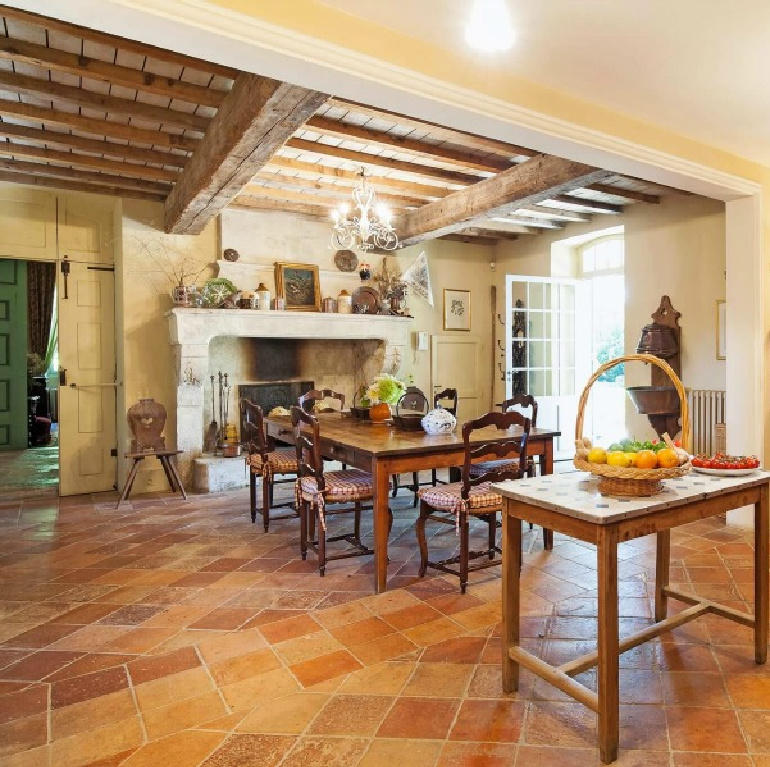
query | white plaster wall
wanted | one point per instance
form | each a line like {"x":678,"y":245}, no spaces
{"x":675,"y":248}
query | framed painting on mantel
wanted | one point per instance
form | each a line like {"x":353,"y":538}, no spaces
{"x":298,"y":285}
{"x":457,"y":309}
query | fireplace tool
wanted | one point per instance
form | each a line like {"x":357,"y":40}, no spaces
{"x":230,"y":444}
{"x":212,"y":433}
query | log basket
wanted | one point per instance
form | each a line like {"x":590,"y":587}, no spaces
{"x":617,"y":480}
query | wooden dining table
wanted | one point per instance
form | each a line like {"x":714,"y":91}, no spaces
{"x":384,"y":450}
{"x":571,"y":504}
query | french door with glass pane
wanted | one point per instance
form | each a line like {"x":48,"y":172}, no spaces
{"x":548,"y":349}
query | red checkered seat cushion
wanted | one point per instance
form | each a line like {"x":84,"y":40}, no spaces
{"x":283,"y":460}
{"x":448,"y":497}
{"x":505,"y":464}
{"x":341,"y":486}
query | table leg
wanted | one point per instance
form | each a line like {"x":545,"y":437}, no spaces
{"x":129,"y":481}
{"x":546,"y":457}
{"x":609,"y":698}
{"x":761,"y":575}
{"x":381,"y":479}
{"x":511,"y":572}
{"x":662,"y":564}
{"x":164,"y":463}
{"x":175,"y":475}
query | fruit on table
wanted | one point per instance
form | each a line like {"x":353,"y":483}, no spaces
{"x":721,"y":461}
{"x":597,"y":455}
{"x":619,"y":458}
{"x":646,"y":459}
{"x":667,"y":459}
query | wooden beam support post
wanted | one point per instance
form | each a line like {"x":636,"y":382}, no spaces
{"x":253,"y":122}
{"x":531,"y":182}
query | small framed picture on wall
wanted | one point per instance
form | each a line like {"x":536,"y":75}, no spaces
{"x":457,"y":309}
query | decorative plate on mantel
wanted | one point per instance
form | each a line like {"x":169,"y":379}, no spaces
{"x":346,"y":260}
{"x":366,"y":300}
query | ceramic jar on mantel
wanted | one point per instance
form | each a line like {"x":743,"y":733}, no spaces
{"x":344,"y":303}
{"x":263,"y":296}
{"x":438,"y":421}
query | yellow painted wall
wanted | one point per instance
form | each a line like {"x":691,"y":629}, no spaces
{"x":146,"y":364}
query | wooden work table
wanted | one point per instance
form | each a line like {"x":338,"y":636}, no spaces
{"x":570,"y":504}
{"x":384,"y":450}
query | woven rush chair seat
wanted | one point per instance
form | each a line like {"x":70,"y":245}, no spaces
{"x":449,"y":497}
{"x":282,"y":460}
{"x":341,"y":486}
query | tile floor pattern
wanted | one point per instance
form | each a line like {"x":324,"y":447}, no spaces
{"x":177,"y":633}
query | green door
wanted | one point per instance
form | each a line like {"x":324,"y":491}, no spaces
{"x":13,"y":354}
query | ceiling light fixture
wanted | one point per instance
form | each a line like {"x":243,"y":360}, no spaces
{"x":368,"y":227}
{"x":489,"y":28}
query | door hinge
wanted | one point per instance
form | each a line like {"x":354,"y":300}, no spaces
{"x":65,"y":270}
{"x":114,"y":452}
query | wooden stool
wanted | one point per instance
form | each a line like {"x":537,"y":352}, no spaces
{"x":164,"y":456}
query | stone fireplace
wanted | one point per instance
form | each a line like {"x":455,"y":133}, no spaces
{"x":334,"y":351}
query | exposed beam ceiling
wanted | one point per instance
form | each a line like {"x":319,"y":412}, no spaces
{"x":91,"y":125}
{"x":448,"y":155}
{"x":529,"y":183}
{"x":83,"y":66}
{"x":628,"y":194}
{"x":252,"y":123}
{"x":581,"y":203}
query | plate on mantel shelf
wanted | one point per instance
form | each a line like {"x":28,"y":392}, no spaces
{"x":725,"y":472}
{"x":365,"y":300}
{"x":346,"y":260}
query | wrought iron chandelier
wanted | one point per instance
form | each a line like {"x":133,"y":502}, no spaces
{"x":369,"y":225}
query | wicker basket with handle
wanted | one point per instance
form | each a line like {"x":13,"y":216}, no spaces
{"x":618,"y":480}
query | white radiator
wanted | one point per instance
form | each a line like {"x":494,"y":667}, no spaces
{"x":707,"y":418}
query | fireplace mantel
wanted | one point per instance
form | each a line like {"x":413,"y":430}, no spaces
{"x":200,"y":326}
{"x":192,"y":330}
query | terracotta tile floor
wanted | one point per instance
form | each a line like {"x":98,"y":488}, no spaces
{"x":178,"y":633}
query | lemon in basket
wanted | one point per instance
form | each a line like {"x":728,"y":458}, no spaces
{"x":597,"y":455}
{"x":619,"y":458}
{"x":667,"y":459}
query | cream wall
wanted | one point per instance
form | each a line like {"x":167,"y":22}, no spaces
{"x":676,"y":248}
{"x":262,"y":238}
{"x":145,"y":361}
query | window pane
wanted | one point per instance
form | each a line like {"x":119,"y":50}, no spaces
{"x":588,"y":260}
{"x":601,"y":257}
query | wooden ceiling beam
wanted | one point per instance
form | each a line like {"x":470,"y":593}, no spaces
{"x":540,"y":178}
{"x":97,"y":69}
{"x":537,"y":223}
{"x":130,"y":46}
{"x":25,"y":85}
{"x":253,"y":122}
{"x":108,"y":128}
{"x":557,"y":214}
{"x":498,"y":234}
{"x":439,"y":132}
{"x":260,"y":203}
{"x":101,"y":179}
{"x":469,"y":239}
{"x":334,"y":191}
{"x":367,"y":159}
{"x":352,"y":178}
{"x":61,"y":140}
{"x":628,"y":194}
{"x":448,"y":155}
{"x":583,"y":204}
{"x":77,"y":186}
{"x":8,"y":149}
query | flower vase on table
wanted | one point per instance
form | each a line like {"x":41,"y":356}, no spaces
{"x":383,"y":392}
{"x":379,"y":412}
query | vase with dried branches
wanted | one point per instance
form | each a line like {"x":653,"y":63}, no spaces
{"x":174,"y":269}
{"x":391,"y":287}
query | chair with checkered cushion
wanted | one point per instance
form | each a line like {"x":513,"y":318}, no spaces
{"x":523,"y":401}
{"x":267,"y":461}
{"x":456,"y":503}
{"x":316,"y":489}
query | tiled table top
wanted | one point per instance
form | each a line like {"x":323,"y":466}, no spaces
{"x":576,"y":494}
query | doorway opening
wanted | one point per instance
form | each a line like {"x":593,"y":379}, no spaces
{"x":29,"y":418}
